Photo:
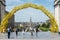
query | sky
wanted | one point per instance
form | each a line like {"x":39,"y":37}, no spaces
{"x":25,"y":14}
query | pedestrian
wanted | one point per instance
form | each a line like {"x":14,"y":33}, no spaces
{"x":16,"y":31}
{"x":31,"y":33}
{"x":23,"y":32}
{"x":31,"y":29}
{"x":37,"y":31}
{"x":9,"y":30}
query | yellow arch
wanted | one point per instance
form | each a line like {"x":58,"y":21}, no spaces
{"x":15,"y":9}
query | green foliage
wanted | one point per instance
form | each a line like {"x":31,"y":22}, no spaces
{"x":44,"y":29}
{"x":37,"y":26}
{"x":48,"y":25}
{"x":45,"y":26}
{"x":20,"y":28}
{"x":28,"y":30}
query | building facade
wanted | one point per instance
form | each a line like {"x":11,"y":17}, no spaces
{"x":2,"y":9}
{"x":57,"y":12}
{"x":3,"y":13}
{"x":26,"y":24}
{"x":11,"y":20}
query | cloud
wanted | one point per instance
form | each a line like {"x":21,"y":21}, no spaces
{"x":50,"y":1}
{"x":25,"y":14}
{"x":36,"y":15}
{"x":9,"y":8}
{"x":13,"y":2}
{"x":28,"y":0}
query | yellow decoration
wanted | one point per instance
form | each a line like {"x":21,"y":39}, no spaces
{"x":4,"y":22}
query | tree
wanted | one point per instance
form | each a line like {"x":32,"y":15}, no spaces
{"x":48,"y":23}
{"x":44,"y":25}
{"x":37,"y":26}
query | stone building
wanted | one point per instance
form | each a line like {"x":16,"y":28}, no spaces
{"x":57,"y":12}
{"x":26,"y":24}
{"x":11,"y":20}
{"x":3,"y":13}
{"x":2,"y":9}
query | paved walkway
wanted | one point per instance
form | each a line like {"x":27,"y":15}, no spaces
{"x":27,"y":36}
{"x":29,"y":39}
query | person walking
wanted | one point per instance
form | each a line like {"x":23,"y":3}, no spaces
{"x":37,"y":32}
{"x":9,"y":30}
{"x":31,"y":29}
{"x":16,"y":31}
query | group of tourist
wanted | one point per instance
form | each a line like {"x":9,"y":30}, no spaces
{"x":16,"y":30}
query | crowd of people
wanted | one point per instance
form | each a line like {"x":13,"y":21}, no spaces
{"x":16,"y":31}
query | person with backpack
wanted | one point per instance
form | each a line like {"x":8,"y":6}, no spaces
{"x":9,"y":30}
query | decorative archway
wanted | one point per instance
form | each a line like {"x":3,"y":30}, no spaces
{"x":54,"y":26}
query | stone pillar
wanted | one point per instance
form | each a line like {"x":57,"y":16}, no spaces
{"x":0,"y":13}
{"x":57,"y":12}
{"x":2,"y":9}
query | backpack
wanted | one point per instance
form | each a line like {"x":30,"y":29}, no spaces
{"x":8,"y":29}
